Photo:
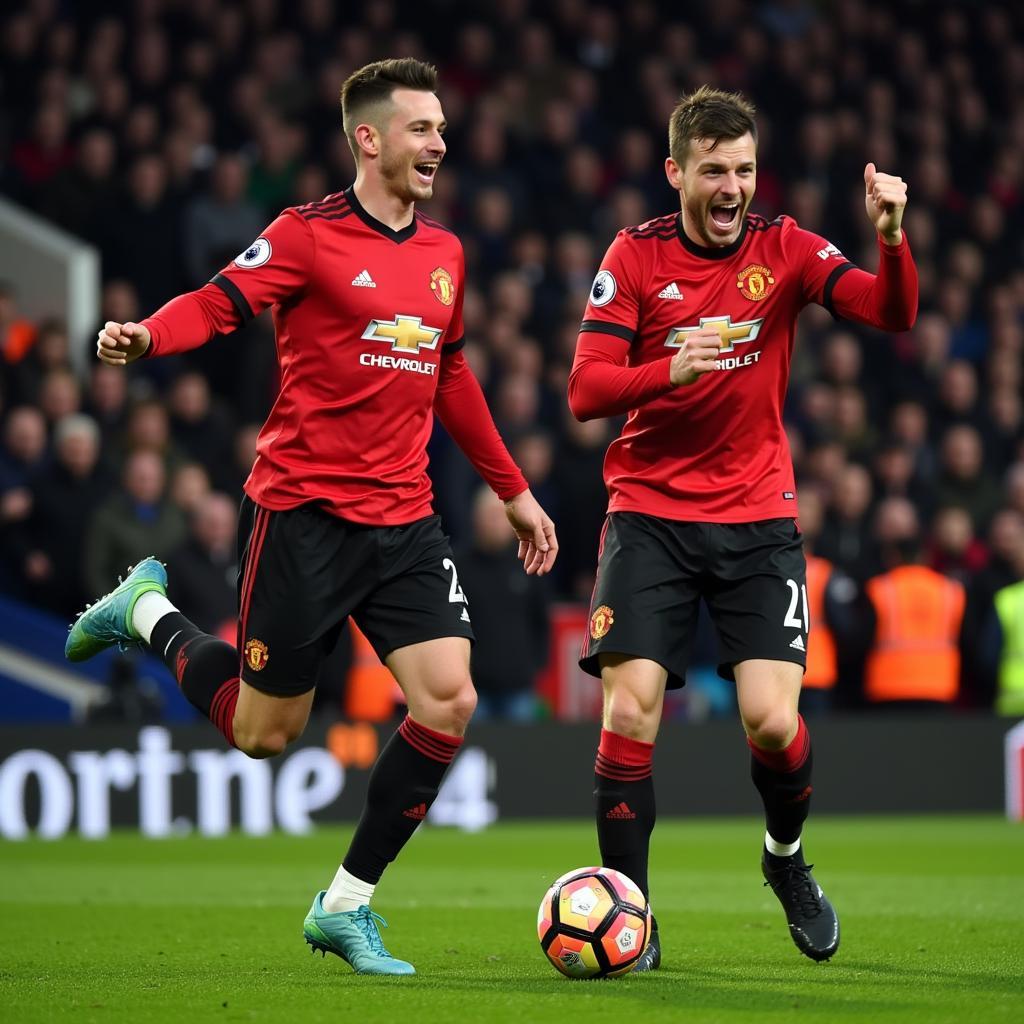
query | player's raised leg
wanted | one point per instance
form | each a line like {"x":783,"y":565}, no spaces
{"x":138,"y":612}
{"x":634,"y":691}
{"x":434,"y":676}
{"x":780,"y":765}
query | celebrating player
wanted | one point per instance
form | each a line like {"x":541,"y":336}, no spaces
{"x":367,"y":298}
{"x":689,"y":329}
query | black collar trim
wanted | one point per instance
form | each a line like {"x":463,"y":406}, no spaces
{"x":710,"y":252}
{"x":379,"y":226}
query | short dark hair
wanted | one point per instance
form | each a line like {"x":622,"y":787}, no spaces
{"x":709,"y":114}
{"x":367,"y":92}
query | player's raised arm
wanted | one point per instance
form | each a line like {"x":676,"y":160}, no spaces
{"x":888,"y":299}
{"x":274,"y":266}
{"x":885,"y":199}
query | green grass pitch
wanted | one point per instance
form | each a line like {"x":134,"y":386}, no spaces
{"x":186,"y":930}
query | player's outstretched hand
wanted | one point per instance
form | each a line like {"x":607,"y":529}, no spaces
{"x":538,"y":546}
{"x":696,"y":356}
{"x":885,"y":199}
{"x":118,"y":344}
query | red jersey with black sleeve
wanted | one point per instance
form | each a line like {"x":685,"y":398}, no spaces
{"x":368,"y":321}
{"x":714,"y":451}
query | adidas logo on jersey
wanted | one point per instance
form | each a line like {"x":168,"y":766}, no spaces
{"x":671,"y":292}
{"x":797,"y":643}
{"x":363,"y":280}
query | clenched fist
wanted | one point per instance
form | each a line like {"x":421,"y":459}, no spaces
{"x":696,"y":356}
{"x":118,"y":344}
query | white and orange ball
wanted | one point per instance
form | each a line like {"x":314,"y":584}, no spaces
{"x":594,"y":923}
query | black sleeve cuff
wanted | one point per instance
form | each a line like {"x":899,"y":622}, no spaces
{"x":607,"y":327}
{"x":830,"y":284}
{"x":451,"y":347}
{"x":234,"y":293}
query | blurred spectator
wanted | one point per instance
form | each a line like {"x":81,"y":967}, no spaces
{"x":510,"y":615}
{"x":895,"y":476}
{"x":64,"y":496}
{"x":203,"y":570}
{"x":954,"y":550}
{"x":1006,"y":543}
{"x":957,"y":398}
{"x":136,"y":521}
{"x":201,"y":427}
{"x":82,"y":198}
{"x":908,"y":425}
{"x":107,"y":401}
{"x":60,"y":394}
{"x":142,"y":242}
{"x":49,"y":351}
{"x":220,"y":223}
{"x":46,"y":152}
{"x":22,"y":459}
{"x":17,"y":333}
{"x":149,"y":429}
{"x":844,"y":537}
{"x":272,"y":179}
{"x":534,"y":453}
{"x":917,"y":617}
{"x":1004,"y":642}
{"x":963,"y":479}
{"x":190,"y":484}
{"x":23,"y":453}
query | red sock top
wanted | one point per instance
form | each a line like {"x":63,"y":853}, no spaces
{"x":622,"y":758}
{"x":438,"y":746}
{"x":790,"y":758}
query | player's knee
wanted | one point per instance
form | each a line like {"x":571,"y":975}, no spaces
{"x":263,"y":742}
{"x":772,"y":730}
{"x":626,"y":716}
{"x":461,"y":708}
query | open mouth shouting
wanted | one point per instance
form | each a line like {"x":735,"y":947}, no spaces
{"x":425,"y":171}
{"x":725,"y":217}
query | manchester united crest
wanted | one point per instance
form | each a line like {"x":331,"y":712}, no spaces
{"x":755,"y":282}
{"x":442,"y":285}
{"x":256,"y":654}
{"x":601,"y":621}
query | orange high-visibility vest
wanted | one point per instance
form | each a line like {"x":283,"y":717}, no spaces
{"x":821,"y":646}
{"x":916,"y":654}
{"x":371,"y":688}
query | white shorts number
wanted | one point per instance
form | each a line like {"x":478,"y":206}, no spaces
{"x":455,"y":594}
{"x":791,"y":619}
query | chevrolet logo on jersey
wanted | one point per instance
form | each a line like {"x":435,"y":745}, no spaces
{"x":405,"y":333}
{"x":729,"y":334}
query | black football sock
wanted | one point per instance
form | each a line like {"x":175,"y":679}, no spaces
{"x":205,"y":667}
{"x":783,"y":778}
{"x":624,"y":805}
{"x":402,"y":786}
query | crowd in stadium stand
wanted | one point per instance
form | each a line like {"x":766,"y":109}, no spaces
{"x":169,"y":135}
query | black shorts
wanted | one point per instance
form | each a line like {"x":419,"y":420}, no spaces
{"x":303,"y":571}
{"x":652,"y":573}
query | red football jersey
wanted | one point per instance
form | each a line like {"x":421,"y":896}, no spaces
{"x":714,"y":451}
{"x":363,"y":316}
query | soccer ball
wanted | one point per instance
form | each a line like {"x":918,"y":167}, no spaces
{"x":594,"y":923}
